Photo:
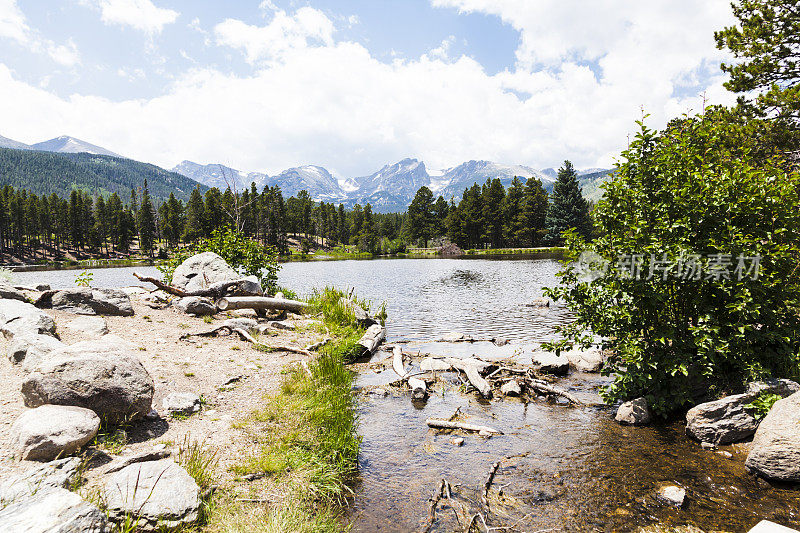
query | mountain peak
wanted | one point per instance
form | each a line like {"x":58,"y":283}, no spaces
{"x":71,"y":145}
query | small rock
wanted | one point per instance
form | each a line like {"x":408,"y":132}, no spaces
{"x":635,"y":412}
{"x":89,"y":325}
{"x":589,"y":360}
{"x":378,"y":393}
{"x":51,"y":431}
{"x":500,"y":341}
{"x":485,"y":434}
{"x":230,"y":381}
{"x":181,"y":403}
{"x":708,"y":445}
{"x":196,"y":305}
{"x":161,"y":493}
{"x":511,"y":388}
{"x":550,"y":363}
{"x":725,"y":454}
{"x":247,"y":324}
{"x":280,"y":324}
{"x":457,"y":441}
{"x":671,"y":494}
{"x":539,"y":302}
{"x":454,"y":337}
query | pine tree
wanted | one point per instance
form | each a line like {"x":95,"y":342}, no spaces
{"x":533,"y":213}
{"x":145,"y":220}
{"x":568,"y":209}
{"x":421,"y":217}
{"x":493,"y":195}
{"x":513,"y":223}
{"x":195,"y":215}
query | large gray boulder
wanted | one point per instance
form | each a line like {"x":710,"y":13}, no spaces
{"x":196,"y":305}
{"x":30,"y":349}
{"x":51,"y":431}
{"x":202,"y":270}
{"x":104,"y":377}
{"x":550,"y":363}
{"x":10,"y":293}
{"x":634,"y":413}
{"x":776,"y":447}
{"x":159,"y":492}
{"x":59,"y":474}
{"x":89,"y":301}
{"x":726,"y":420}
{"x":22,"y":318}
{"x":52,"y":510}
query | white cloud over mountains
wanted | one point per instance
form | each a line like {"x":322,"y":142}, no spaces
{"x":583,"y":71}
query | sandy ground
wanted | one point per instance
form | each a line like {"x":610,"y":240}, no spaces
{"x":201,"y":367}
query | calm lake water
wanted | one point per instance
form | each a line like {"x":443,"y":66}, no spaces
{"x":580,"y":470}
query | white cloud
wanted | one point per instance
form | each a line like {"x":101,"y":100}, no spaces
{"x":283,"y":33}
{"x":442,"y":51}
{"x":14,"y":26}
{"x":142,"y":15}
{"x":312,"y":100}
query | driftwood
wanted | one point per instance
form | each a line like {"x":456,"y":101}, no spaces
{"x":472,"y":368}
{"x":545,"y":388}
{"x":419,"y":390}
{"x":488,"y":484}
{"x":397,"y":362}
{"x":317,"y":345}
{"x":261,"y":303}
{"x":372,"y":338}
{"x":443,"y":487}
{"x":454,"y":424}
{"x":217,"y":290}
{"x":245,"y":336}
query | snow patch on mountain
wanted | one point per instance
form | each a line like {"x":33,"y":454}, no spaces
{"x":70,"y":145}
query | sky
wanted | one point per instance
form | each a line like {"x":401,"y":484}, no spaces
{"x":352,"y":85}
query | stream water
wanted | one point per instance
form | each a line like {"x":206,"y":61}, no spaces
{"x":574,"y":468}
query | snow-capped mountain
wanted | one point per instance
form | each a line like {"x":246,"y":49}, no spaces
{"x":319,"y":183}
{"x":220,"y":176}
{"x":70,"y":145}
{"x":390,"y":189}
{"x":5,"y":142}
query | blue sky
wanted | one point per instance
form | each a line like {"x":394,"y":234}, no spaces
{"x":352,"y":85}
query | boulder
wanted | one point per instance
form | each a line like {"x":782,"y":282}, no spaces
{"x":51,"y":431}
{"x":202,"y":270}
{"x":775,"y":453}
{"x":550,"y":363}
{"x":588,"y":360}
{"x":634,"y":413}
{"x":247,"y":324}
{"x":181,"y":403}
{"x":196,"y":305}
{"x":248,"y":286}
{"x":726,"y":420}
{"x":511,"y":388}
{"x":52,"y":510}
{"x":98,"y":375}
{"x":142,"y":457}
{"x":89,"y":325}
{"x":10,"y":293}
{"x":89,"y":301}
{"x":59,"y":474}
{"x":30,"y":349}
{"x":22,"y":318}
{"x":161,"y":493}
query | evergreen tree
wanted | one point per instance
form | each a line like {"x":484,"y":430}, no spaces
{"x":568,"y":208}
{"x":195,"y":215}
{"x":493,"y":196}
{"x":513,"y":222}
{"x":145,"y":220}
{"x":421,"y":217}
{"x":533,"y":213}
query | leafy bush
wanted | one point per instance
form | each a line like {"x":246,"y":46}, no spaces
{"x":84,"y":279}
{"x":761,"y":405}
{"x":242,"y":254}
{"x":695,"y":188}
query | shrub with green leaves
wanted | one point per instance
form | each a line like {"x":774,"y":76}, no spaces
{"x":244,"y":255}
{"x":694,"y":188}
{"x":762,"y":404}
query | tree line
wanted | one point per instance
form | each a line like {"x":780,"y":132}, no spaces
{"x":487,"y":215}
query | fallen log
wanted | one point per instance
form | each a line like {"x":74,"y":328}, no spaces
{"x":472,"y":368}
{"x":397,"y":362}
{"x":454,"y":424}
{"x":545,"y":388}
{"x":372,"y":338}
{"x":261,"y":303}
{"x":217,"y":290}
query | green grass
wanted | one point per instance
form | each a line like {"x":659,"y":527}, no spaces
{"x":306,"y":437}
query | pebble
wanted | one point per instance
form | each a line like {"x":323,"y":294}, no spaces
{"x":484,"y":433}
{"x":457,"y":441}
{"x":725,"y":454}
{"x":708,"y":445}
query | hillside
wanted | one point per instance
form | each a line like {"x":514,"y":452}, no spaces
{"x":47,"y":172}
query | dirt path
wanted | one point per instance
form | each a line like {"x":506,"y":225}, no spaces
{"x":201,"y":367}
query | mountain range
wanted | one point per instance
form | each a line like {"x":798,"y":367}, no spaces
{"x":389,"y":189}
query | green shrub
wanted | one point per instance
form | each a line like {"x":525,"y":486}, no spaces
{"x":695,"y":188}
{"x":761,"y":405}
